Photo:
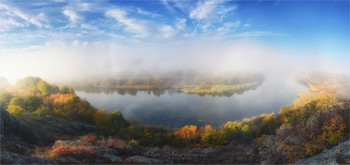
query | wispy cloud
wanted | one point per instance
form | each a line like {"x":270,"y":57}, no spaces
{"x":147,"y":13}
{"x":130,"y":25}
{"x":72,"y":15}
{"x":180,"y":23}
{"x":204,"y":9}
{"x":210,"y":12}
{"x":14,"y":17}
{"x":257,"y":34}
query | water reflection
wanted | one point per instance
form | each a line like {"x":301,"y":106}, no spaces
{"x":161,"y":91}
{"x":173,"y":108}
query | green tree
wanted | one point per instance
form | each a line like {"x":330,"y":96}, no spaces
{"x":31,"y":103}
{"x":46,"y":89}
{"x":43,"y":111}
{"x":28,"y":82}
{"x":5,"y":99}
{"x":16,"y":110}
{"x":214,"y":137}
{"x":118,"y":121}
{"x":17,"y":101}
{"x":103,"y":119}
{"x":71,"y":91}
{"x":65,"y":89}
{"x":131,"y":82}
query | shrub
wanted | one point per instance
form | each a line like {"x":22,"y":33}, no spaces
{"x":103,"y":119}
{"x":189,"y":132}
{"x":89,"y":139}
{"x":81,"y":152}
{"x":16,"y":110}
{"x":214,"y":137}
{"x":133,"y":142}
{"x":5,"y":99}
{"x":43,"y":111}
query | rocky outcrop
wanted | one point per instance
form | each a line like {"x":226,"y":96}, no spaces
{"x":339,"y":154}
{"x":141,"y":160}
{"x":11,"y":158}
{"x":12,"y":127}
{"x":52,"y":128}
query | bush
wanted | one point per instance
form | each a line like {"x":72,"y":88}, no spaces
{"x":31,"y":103}
{"x":16,"y":110}
{"x":214,"y":137}
{"x":43,"y":111}
{"x":103,"y":119}
{"x":189,"y":133}
{"x":5,"y":99}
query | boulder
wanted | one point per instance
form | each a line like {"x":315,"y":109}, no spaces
{"x":68,"y":160}
{"x":52,"y":128}
{"x":112,"y":158}
{"x":12,"y":126}
{"x":141,"y":160}
{"x":11,"y":158}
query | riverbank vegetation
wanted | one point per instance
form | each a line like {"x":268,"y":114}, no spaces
{"x":317,"y":120}
{"x":224,"y":85}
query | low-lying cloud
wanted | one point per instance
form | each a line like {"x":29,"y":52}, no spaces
{"x":58,"y":60}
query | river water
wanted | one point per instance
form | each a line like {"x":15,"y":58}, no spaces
{"x":175,"y":109}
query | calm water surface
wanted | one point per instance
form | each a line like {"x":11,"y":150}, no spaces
{"x":175,"y":109}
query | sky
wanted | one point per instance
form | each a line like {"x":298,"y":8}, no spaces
{"x":64,"y":39}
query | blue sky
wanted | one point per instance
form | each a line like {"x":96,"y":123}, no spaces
{"x":301,"y":27}
{"x":319,"y":25}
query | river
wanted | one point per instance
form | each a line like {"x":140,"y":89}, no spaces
{"x":174,"y":109}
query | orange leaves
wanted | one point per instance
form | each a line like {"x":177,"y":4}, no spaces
{"x":83,"y":151}
{"x":189,"y":132}
{"x":330,"y":132}
{"x":333,"y":129}
{"x":89,"y":138}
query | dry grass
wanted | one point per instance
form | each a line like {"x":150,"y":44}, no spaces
{"x":84,"y":148}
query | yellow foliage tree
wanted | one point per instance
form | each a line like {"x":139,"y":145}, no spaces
{"x":103,"y":119}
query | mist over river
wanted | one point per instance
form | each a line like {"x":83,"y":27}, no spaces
{"x":175,"y":109}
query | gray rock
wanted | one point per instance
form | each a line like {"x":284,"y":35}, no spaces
{"x":102,"y":149}
{"x":112,"y":158}
{"x":52,"y":128}
{"x":84,"y":127}
{"x":141,"y":159}
{"x":330,"y":156}
{"x":68,"y":160}
{"x":12,"y":126}
{"x":11,"y":158}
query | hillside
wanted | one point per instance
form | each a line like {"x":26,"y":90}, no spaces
{"x":41,"y":123}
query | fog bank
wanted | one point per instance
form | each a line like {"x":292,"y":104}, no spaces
{"x":59,"y":60}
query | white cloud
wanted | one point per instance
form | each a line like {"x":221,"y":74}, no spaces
{"x":88,"y":26}
{"x":210,"y":12}
{"x":131,"y":25}
{"x":84,"y":7}
{"x":204,"y":9}
{"x":230,"y":26}
{"x":180,"y":23}
{"x":257,"y":34}
{"x":167,"y":31}
{"x":166,"y":4}
{"x":14,"y":17}
{"x":147,"y":13}
{"x":72,"y":15}
{"x":246,"y":25}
